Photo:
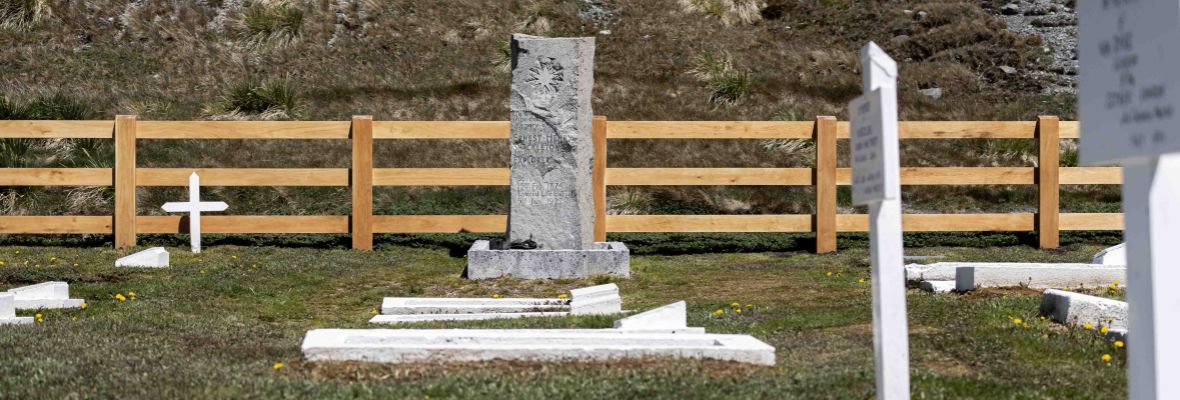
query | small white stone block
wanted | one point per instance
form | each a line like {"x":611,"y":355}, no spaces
{"x":930,"y":272}
{"x":672,"y":316}
{"x":443,"y":305}
{"x":1078,"y":309}
{"x":1038,"y":276}
{"x":538,"y":345}
{"x":1116,"y":255}
{"x":155,"y":257}
{"x":8,"y":311}
{"x":937,"y":286}
{"x":48,"y":295}
{"x":410,"y":318}
{"x":596,"y":300}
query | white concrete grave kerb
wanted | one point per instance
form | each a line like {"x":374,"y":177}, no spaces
{"x":155,"y":257}
{"x":543,"y":345}
{"x":876,"y":182}
{"x":672,"y":316}
{"x":8,"y":311}
{"x":46,"y":295}
{"x":194,"y":206}
{"x":593,"y":300}
{"x":1129,"y":95}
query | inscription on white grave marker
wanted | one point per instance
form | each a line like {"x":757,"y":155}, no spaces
{"x":872,"y":180}
{"x":1128,"y":93}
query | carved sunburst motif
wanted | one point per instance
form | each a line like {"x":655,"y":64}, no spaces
{"x":547,"y":76}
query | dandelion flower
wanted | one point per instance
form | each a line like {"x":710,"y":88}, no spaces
{"x":1119,"y":344}
{"x":373,"y":311}
{"x":563,"y":296}
{"x":85,"y":306}
{"x":1115,"y":283}
{"x":1106,"y":358}
{"x":737,"y":310}
{"x":861,"y":280}
{"x":1017,"y":321}
{"x":120,"y":297}
{"x":73,"y":318}
{"x":75,"y":264}
{"x":132,"y":294}
{"x":39,"y":318}
{"x":1088,"y":326}
{"x":1,"y":262}
{"x":1104,"y":329}
{"x":829,"y":273}
{"x":718,"y":311}
{"x":735,"y":304}
{"x":749,"y":305}
{"x":495,"y":295}
{"x":278,"y":365}
{"x":234,"y":257}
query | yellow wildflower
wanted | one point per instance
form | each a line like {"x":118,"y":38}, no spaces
{"x":563,"y":296}
{"x":1106,"y":358}
{"x":278,"y":365}
{"x":735,"y":304}
{"x":1017,"y":321}
{"x":39,"y":318}
{"x":1116,"y":283}
{"x":373,"y":311}
{"x":85,"y":306}
{"x":1104,"y":329}
{"x":1088,"y":326}
{"x":120,"y":297}
{"x":861,"y":280}
{"x":1119,"y":344}
{"x":495,"y":295}
{"x":737,"y":310}
{"x":749,"y":305}
{"x":829,"y":273}
{"x":75,"y":264}
{"x":73,"y":318}
{"x":132,"y":294}
{"x":234,"y":257}
{"x":718,"y":312}
{"x":1,"y":262}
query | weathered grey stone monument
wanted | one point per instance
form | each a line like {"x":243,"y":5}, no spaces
{"x":551,"y":212}
{"x":552,"y":151}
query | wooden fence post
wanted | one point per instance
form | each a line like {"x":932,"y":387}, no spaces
{"x":362,"y":182}
{"x":825,"y":185}
{"x":124,"y":179}
{"x":599,"y":133}
{"x":1048,"y":181}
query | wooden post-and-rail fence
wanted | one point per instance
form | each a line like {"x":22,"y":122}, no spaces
{"x":825,"y":176}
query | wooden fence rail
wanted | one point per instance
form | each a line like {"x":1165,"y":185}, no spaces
{"x":361,"y":177}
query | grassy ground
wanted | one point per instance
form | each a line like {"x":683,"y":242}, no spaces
{"x":214,"y":325}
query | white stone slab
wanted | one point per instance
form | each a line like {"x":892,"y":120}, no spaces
{"x":596,"y":300}
{"x":672,"y":316}
{"x":937,"y":286}
{"x":155,"y":257}
{"x":930,"y":272}
{"x":468,"y":345}
{"x":8,"y":311}
{"x":1116,"y":255}
{"x":47,"y":295}
{"x":411,"y":318}
{"x":414,"y":305}
{"x":1038,"y":277}
{"x":1078,"y":309}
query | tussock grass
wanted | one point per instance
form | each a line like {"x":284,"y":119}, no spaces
{"x":275,"y":22}
{"x":251,"y":98}
{"x":22,"y":15}
{"x":218,"y":322}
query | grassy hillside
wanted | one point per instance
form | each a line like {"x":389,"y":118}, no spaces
{"x":446,"y":60}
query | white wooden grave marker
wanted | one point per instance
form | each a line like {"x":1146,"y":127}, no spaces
{"x":194,"y":206}
{"x":1128,"y":98}
{"x":876,"y":182}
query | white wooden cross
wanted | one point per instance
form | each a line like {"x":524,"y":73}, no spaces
{"x":876,"y":182}
{"x":1130,"y":110}
{"x":193,"y":207}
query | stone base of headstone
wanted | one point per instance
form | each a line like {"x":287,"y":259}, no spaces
{"x":486,"y":261}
